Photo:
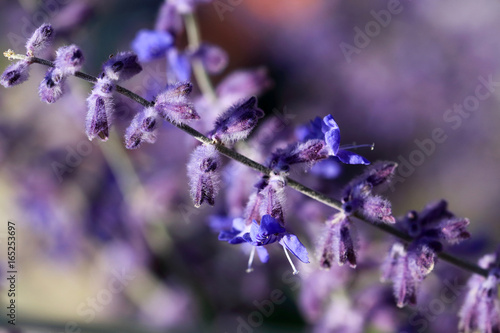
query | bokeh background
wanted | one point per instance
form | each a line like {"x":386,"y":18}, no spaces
{"x":89,"y":213}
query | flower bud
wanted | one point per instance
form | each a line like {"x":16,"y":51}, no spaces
{"x":40,"y":39}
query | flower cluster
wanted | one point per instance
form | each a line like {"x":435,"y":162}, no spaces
{"x":407,"y":265}
{"x":17,"y":73}
{"x":339,"y":241}
{"x":161,"y":43}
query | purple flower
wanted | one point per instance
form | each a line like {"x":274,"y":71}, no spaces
{"x":270,"y":231}
{"x":150,"y":44}
{"x":237,"y":122}
{"x":213,"y":58}
{"x":100,"y":108}
{"x":332,"y":138}
{"x":178,"y":65}
{"x":243,"y":83}
{"x":15,"y":74}
{"x":272,"y":197}
{"x":141,"y":129}
{"x":407,"y":266}
{"x":358,"y":196}
{"x":169,"y":19}
{"x":40,"y":39}
{"x":69,"y":59}
{"x":122,"y":66}
{"x":52,"y":86}
{"x":173,"y":104}
{"x":339,"y":244}
{"x":203,"y":174}
{"x":481,"y":308}
{"x":308,"y":152}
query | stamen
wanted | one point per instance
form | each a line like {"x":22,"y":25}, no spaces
{"x":295,"y":271}
{"x":11,"y":55}
{"x":250,"y":260}
{"x":355,"y":146}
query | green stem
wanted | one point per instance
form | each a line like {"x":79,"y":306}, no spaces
{"x":201,"y":75}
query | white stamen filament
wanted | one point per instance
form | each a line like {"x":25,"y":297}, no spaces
{"x":355,"y":146}
{"x":250,"y":260}
{"x":295,"y":271}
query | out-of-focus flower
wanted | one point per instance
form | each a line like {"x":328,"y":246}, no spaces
{"x":213,"y":58}
{"x":481,"y":308}
{"x":150,"y":44}
{"x":178,"y":65}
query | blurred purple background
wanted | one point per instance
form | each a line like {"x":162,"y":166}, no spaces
{"x":90,"y":214}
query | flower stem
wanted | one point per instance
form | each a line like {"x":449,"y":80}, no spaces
{"x":201,"y":75}
{"x":290,"y":182}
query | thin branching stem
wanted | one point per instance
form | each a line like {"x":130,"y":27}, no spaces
{"x":290,"y":182}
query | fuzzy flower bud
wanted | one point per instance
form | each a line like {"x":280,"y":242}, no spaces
{"x":308,"y":152}
{"x":142,"y":129}
{"x":273,"y":198}
{"x":357,"y":195}
{"x":173,"y":104}
{"x":339,"y":243}
{"x":237,"y":122}
{"x":39,"y":40}
{"x":122,"y":67}
{"x":481,"y":309}
{"x":15,"y":74}
{"x":69,"y":59}
{"x":100,"y":108}
{"x":203,"y":174}
{"x":407,"y":268}
{"x":52,"y":86}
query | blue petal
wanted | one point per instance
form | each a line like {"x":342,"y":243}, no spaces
{"x":348,"y":157}
{"x":254,"y":231}
{"x":227,"y":235}
{"x":269,"y":225}
{"x":329,"y":124}
{"x":329,"y":168}
{"x":292,"y":243}
{"x":332,"y":138}
{"x":263,"y":254}
{"x":179,"y":64}
{"x":149,"y":44}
